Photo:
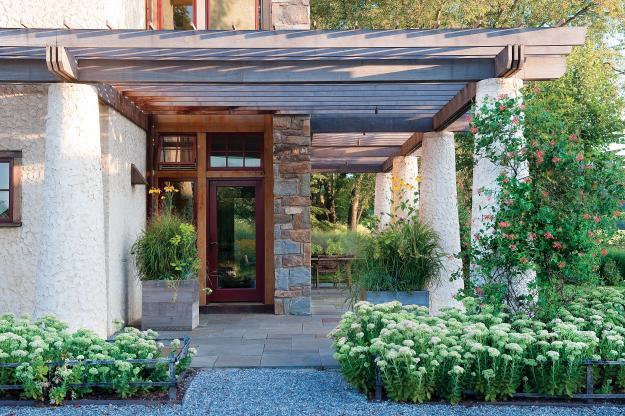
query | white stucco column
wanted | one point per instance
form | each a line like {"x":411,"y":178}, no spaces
{"x":405,"y":179}
{"x":71,"y":277}
{"x":439,"y":208}
{"x":383,"y":200}
{"x":485,"y":172}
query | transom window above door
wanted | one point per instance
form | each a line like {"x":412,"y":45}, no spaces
{"x":204,"y":14}
{"x":177,"y":152}
{"x":235,"y":150}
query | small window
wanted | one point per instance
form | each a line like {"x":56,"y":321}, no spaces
{"x":235,"y":151}
{"x":177,"y":152}
{"x":233,"y":14}
{"x":177,"y":14}
{"x":9,"y":188}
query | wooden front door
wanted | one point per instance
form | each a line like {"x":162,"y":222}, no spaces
{"x":235,"y":231}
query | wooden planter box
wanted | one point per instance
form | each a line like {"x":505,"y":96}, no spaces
{"x":168,"y":306}
{"x":420,"y":297}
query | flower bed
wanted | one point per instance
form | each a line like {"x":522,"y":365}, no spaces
{"x":492,"y":355}
{"x":44,"y":361}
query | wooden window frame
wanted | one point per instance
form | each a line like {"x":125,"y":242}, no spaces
{"x":261,"y":18}
{"x":259,"y":168}
{"x":14,"y":158}
{"x":173,"y":165}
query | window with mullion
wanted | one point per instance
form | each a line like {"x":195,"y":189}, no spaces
{"x":235,"y":151}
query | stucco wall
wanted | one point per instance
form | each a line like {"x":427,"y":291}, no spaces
{"x":123,"y":144}
{"x":23,"y":112}
{"x":77,"y":14}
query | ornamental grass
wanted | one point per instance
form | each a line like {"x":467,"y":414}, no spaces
{"x":489,"y":354}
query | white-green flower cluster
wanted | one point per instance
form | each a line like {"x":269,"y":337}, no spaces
{"x":35,"y":344}
{"x":491,"y":354}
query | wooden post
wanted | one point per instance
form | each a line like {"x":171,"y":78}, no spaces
{"x":201,"y":213}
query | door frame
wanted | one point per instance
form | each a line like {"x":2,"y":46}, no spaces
{"x":235,"y":295}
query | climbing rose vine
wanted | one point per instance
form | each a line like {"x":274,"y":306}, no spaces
{"x":558,"y":204}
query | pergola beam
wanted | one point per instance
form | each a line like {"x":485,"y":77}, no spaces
{"x":412,"y":144}
{"x":327,"y":123}
{"x":354,"y":152}
{"x":455,"y":108}
{"x":562,"y":36}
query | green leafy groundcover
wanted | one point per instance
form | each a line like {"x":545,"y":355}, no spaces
{"x":492,"y":354}
{"x":34,"y":344}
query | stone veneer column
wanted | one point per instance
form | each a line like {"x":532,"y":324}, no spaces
{"x":291,"y":171}
{"x":290,"y":14}
{"x":406,"y":169}
{"x":71,"y":278}
{"x":439,"y":208}
{"x":383,"y":198}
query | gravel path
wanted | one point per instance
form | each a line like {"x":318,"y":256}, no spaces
{"x":275,"y":392}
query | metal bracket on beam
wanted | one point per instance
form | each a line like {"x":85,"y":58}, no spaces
{"x":509,"y":61}
{"x":61,"y":63}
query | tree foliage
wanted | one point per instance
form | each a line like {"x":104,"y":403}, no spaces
{"x":434,"y":14}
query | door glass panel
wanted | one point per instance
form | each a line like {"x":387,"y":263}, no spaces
{"x":236,"y":237}
{"x":183,"y":202}
{"x":177,"y":14}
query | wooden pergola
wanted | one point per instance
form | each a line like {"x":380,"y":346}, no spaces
{"x":369,"y":93}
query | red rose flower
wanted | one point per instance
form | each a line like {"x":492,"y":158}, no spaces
{"x":515,"y":120}
{"x":504,"y":224}
{"x":474,"y":130}
{"x":604,"y":252}
{"x":502,"y":107}
{"x":579,"y":157}
{"x":548,"y":235}
{"x":561,"y":265}
{"x":597,"y":218}
{"x":555,"y":159}
{"x":557,"y":245}
{"x":586,"y":216}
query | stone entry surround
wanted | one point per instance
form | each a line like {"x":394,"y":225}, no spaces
{"x":291,"y":188}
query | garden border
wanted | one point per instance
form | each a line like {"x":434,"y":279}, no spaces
{"x":171,"y":360}
{"x":589,"y":396}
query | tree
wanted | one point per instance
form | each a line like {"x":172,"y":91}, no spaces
{"x":435,"y":14}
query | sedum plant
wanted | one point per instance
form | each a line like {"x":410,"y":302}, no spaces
{"x":490,"y":353}
{"x":32,"y":345}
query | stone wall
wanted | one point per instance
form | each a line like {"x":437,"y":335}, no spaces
{"x":291,"y":170}
{"x":290,"y":14}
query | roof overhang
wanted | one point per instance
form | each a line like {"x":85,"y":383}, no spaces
{"x":351,"y":82}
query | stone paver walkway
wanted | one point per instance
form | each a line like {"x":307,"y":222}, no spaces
{"x":265,"y":340}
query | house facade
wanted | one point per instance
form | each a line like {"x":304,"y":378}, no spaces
{"x":234,"y":103}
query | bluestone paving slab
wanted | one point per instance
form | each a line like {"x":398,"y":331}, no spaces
{"x":292,"y":359}
{"x":237,"y":361}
